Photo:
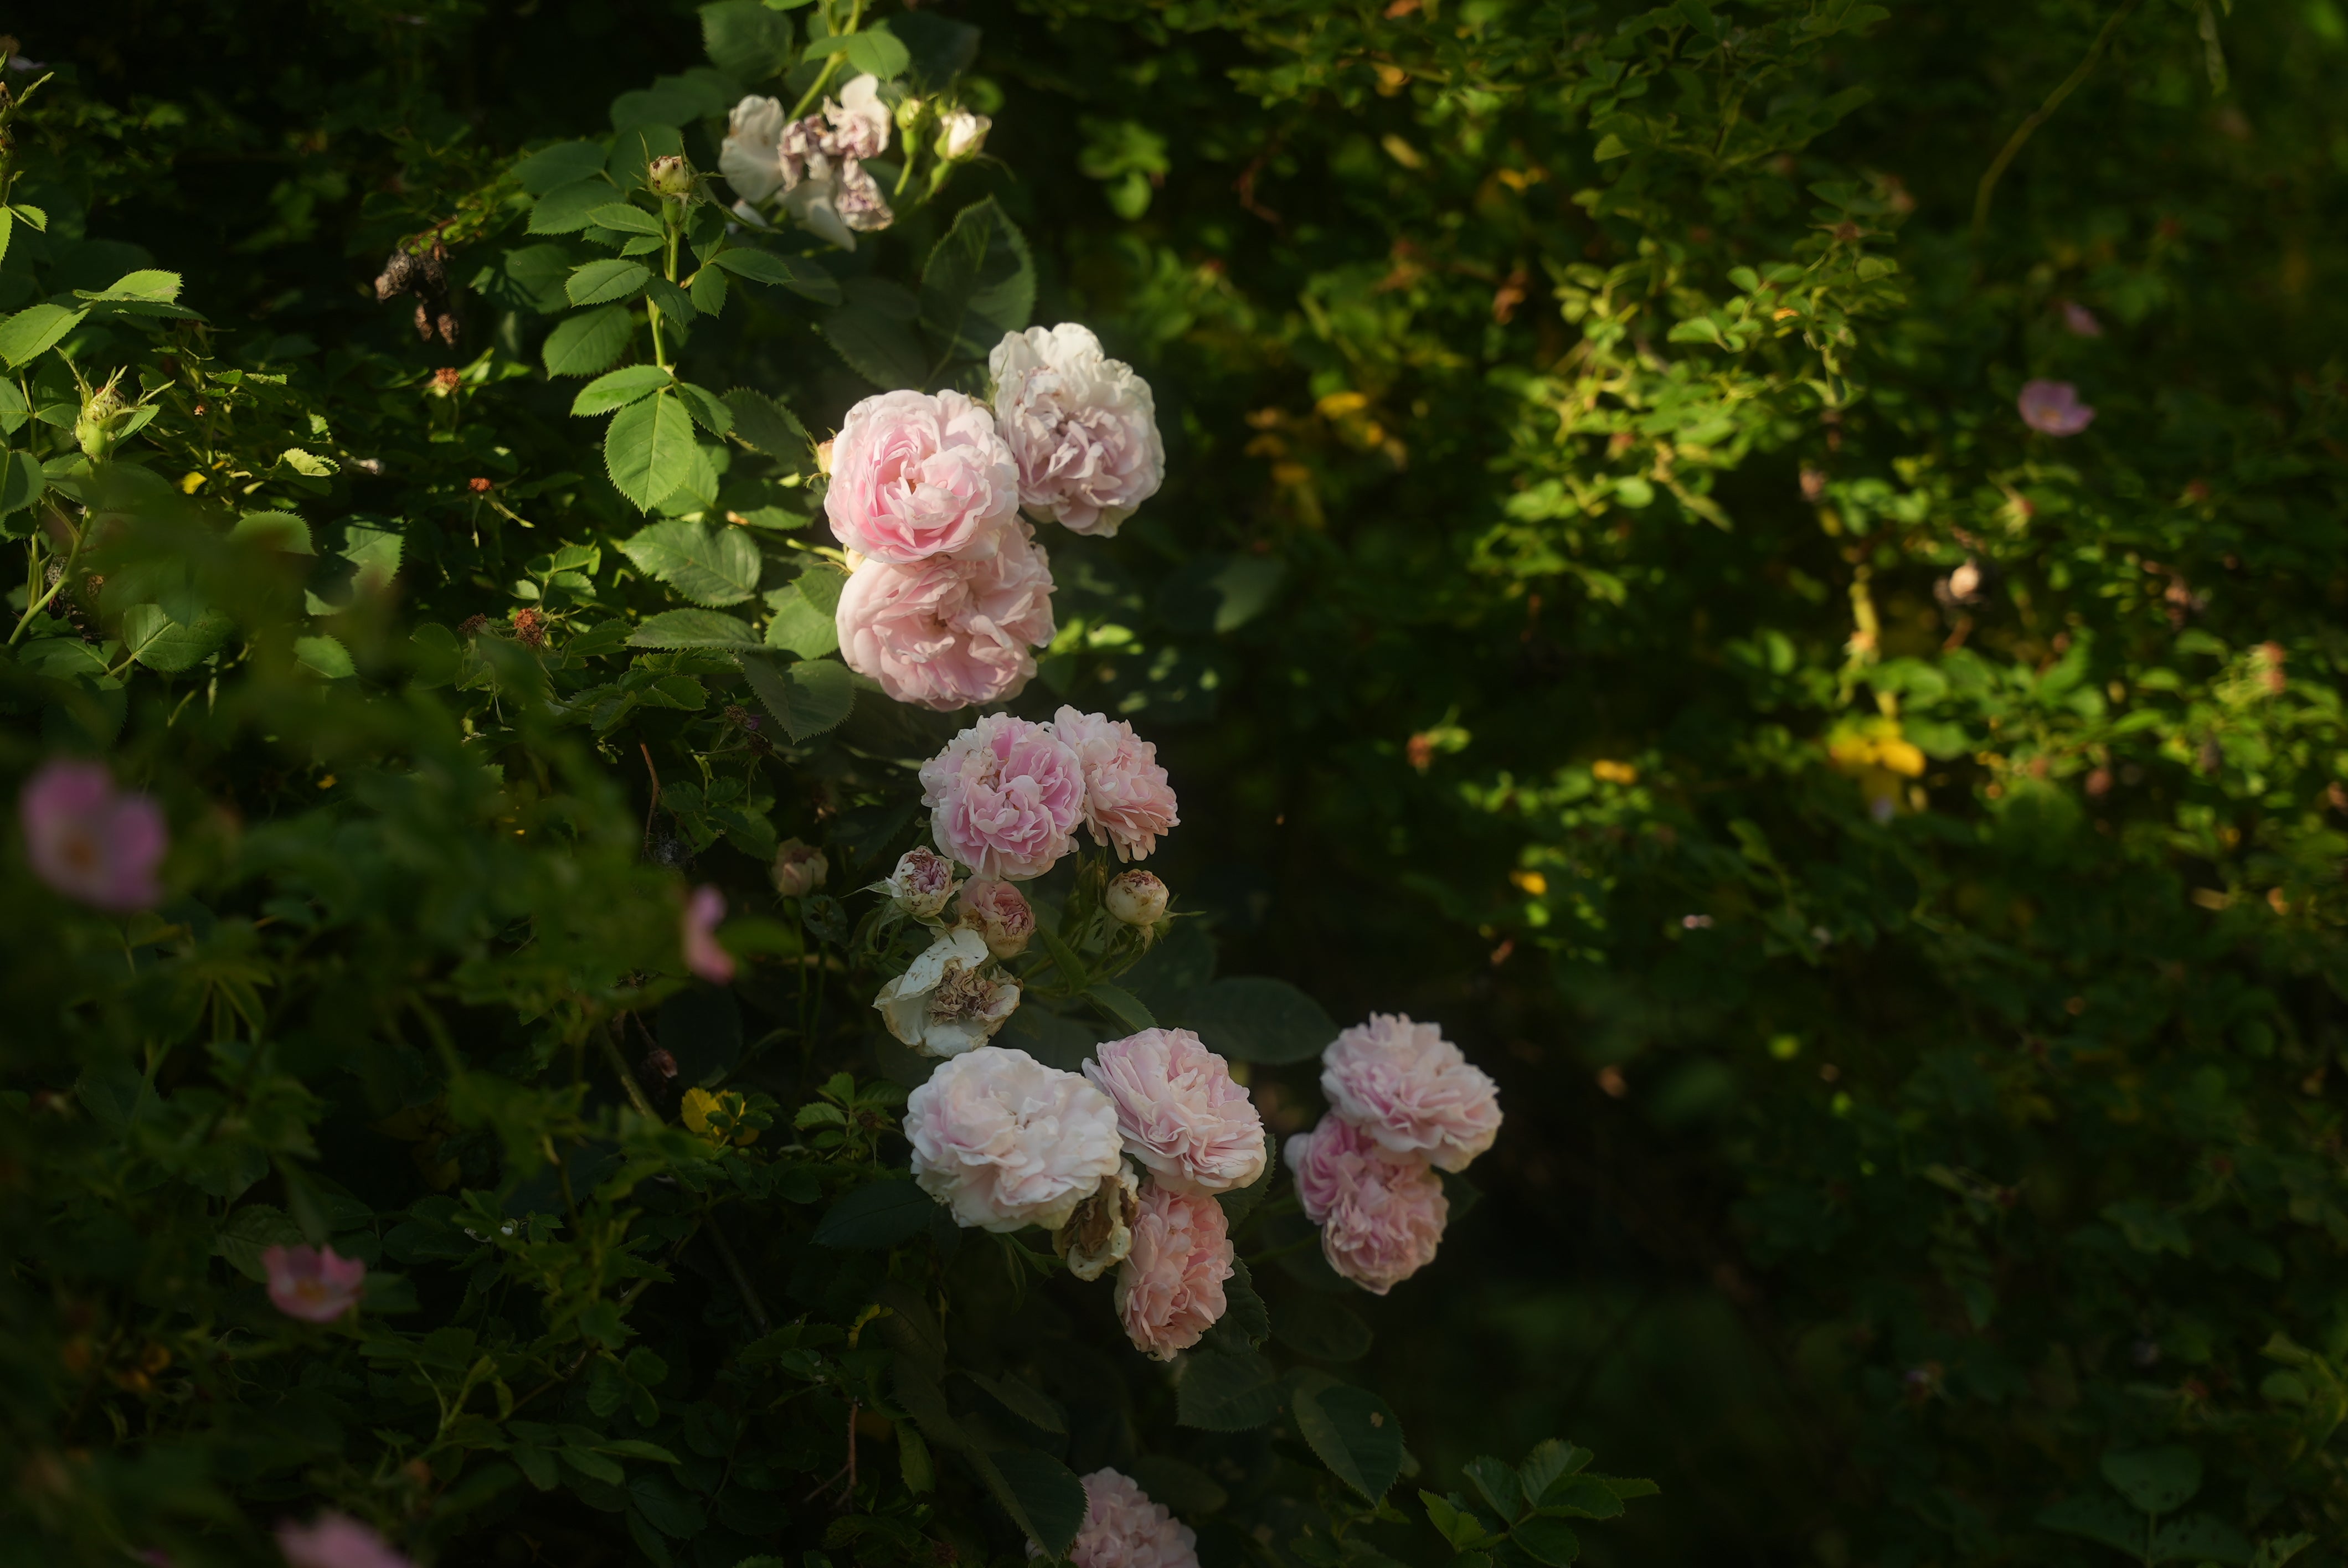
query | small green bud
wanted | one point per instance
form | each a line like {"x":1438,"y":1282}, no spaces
{"x":103,"y":415}
{"x":669,"y":176}
{"x":909,"y":112}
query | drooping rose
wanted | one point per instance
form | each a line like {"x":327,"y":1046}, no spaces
{"x":92,"y":841}
{"x":314,"y":1284}
{"x":1123,"y":1529}
{"x":1099,"y":1231}
{"x":799,"y":869}
{"x":1410,"y":1089}
{"x":1128,"y":800}
{"x":751,"y":157}
{"x":1004,"y":797}
{"x":921,"y":883}
{"x":336,"y":1540}
{"x":945,"y":1002}
{"x":916,"y":475}
{"x":1006,"y":1142}
{"x":1082,"y":426}
{"x":697,"y":934}
{"x":1381,"y":1214}
{"x":2052,"y":408}
{"x":950,"y":633}
{"x":1181,"y":1113}
{"x":1137,"y":898}
{"x":1169,"y":1288}
{"x":860,"y":121}
{"x":1000,"y":914}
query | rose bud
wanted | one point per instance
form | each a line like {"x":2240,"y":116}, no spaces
{"x":961,"y":134}
{"x":998,"y":912}
{"x":799,"y":869}
{"x":670,"y":175}
{"x":921,"y":883}
{"x":1135,"y":897}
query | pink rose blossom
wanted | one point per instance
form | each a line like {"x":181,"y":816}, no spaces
{"x":1006,"y":1142}
{"x":1000,"y":912}
{"x":698,"y":931}
{"x":1004,"y":797}
{"x":860,"y":121}
{"x":336,"y":1540}
{"x":1082,"y":426}
{"x":921,"y":883}
{"x":92,"y":841}
{"x":1407,"y":1087}
{"x":311,"y":1283}
{"x":1381,"y":1214}
{"x":1127,"y":800}
{"x":951,"y":631}
{"x":1123,"y":1529}
{"x":2079,"y":321}
{"x":1179,"y":1111}
{"x":2053,"y":408}
{"x":916,"y":475}
{"x":1169,"y":1288}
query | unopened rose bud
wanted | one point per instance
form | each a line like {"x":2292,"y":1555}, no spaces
{"x":103,"y":413}
{"x":1135,"y":897}
{"x":998,"y":912}
{"x":909,"y":111}
{"x":962,"y":133}
{"x":823,"y":457}
{"x":921,"y":883}
{"x":799,"y":869}
{"x":670,"y":175}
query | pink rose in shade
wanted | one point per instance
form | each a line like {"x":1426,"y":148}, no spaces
{"x":1000,"y":914}
{"x":1006,"y":1142}
{"x":1408,"y":1088}
{"x":2052,"y":408}
{"x":703,"y":956}
{"x":1169,"y":1288}
{"x":1004,"y":797}
{"x":1180,"y":1113}
{"x":92,"y":841}
{"x":916,"y":475}
{"x":312,"y":1283}
{"x":951,"y":631}
{"x":1123,"y":1529}
{"x":1128,"y":801}
{"x":1381,"y":1214}
{"x":1082,"y":427}
{"x":336,"y":1540}
{"x":2079,"y":321}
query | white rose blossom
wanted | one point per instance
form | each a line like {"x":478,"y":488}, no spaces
{"x":946,"y":1003}
{"x":1083,"y":428}
{"x":815,"y":163}
{"x":1006,"y":1142}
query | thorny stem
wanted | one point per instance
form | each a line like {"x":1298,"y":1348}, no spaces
{"x":2022,"y":133}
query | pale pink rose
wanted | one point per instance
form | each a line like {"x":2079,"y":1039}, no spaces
{"x":799,"y":869}
{"x":1006,"y":1142}
{"x":1381,"y":1214}
{"x":697,"y":934}
{"x":921,"y":883}
{"x":312,"y":1284}
{"x":859,"y":201}
{"x":1169,"y":1288}
{"x":1123,"y":1529}
{"x":751,"y":156}
{"x":1179,"y":1111}
{"x":1004,"y":797}
{"x":336,"y":1540}
{"x":1000,"y":914}
{"x":92,"y":841}
{"x":860,"y":121}
{"x":1082,"y":426}
{"x":916,"y":475}
{"x":962,"y":133}
{"x":946,"y":1001}
{"x":1407,"y":1087}
{"x":1137,"y":898}
{"x":951,"y":631}
{"x":1127,"y":800}
{"x":2053,"y":408}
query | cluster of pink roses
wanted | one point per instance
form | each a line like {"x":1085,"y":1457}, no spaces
{"x":1403,"y":1104}
{"x":950,"y":594}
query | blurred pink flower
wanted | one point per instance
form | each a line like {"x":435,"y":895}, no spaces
{"x":1123,"y":1529}
{"x":1409,"y":1089}
{"x":703,"y":956}
{"x":1169,"y":1288}
{"x":915,"y":475}
{"x":92,"y":841}
{"x":1006,"y":1142}
{"x":2053,"y":408}
{"x":2080,"y":321}
{"x":336,"y":1540}
{"x":1004,"y":797}
{"x":1000,"y":912}
{"x":1381,"y":1214}
{"x":314,"y":1284}
{"x":951,"y":631}
{"x":1127,"y":800}
{"x":1179,"y":1111}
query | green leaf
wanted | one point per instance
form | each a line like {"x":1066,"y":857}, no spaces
{"x":2098,"y":1516}
{"x":586,"y":344}
{"x":250,"y":1230}
{"x":565,"y":210}
{"x":799,"y":626}
{"x":148,"y":286}
{"x":806,"y":698}
{"x":876,"y":49}
{"x":1354,"y":1434}
{"x":1120,"y":1007}
{"x":36,"y":331}
{"x":793,"y":272}
{"x":708,"y":412}
{"x":672,"y":302}
{"x":708,"y":291}
{"x":1226,"y":1393}
{"x":767,"y":424}
{"x":673,"y":628}
{"x":620,"y":388}
{"x":1580,"y":1497}
{"x":744,"y":38}
{"x":599,"y":283}
{"x":709,"y":566}
{"x":2157,"y":1480}
{"x":1043,"y":1496}
{"x":1552,"y":1461}
{"x":878,"y":1214}
{"x":979,"y":282}
{"x":1499,"y":1483}
{"x":151,"y":637}
{"x":564,"y":163}
{"x":14,"y":407}
{"x":323,"y":656}
{"x":649,"y":450}
{"x":1322,"y":1327}
{"x":1022,"y":1400}
{"x":21,"y":481}
{"x":873,"y":334}
{"x":1246,"y":1322}
{"x":1547,"y":1541}
{"x":1253,"y":1017}
{"x":2197,"y":1538}
{"x":624,"y":218}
